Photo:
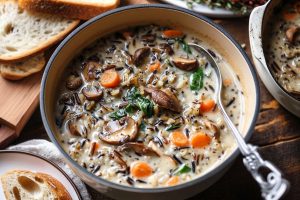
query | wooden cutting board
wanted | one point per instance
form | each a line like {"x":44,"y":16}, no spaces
{"x":18,"y":100}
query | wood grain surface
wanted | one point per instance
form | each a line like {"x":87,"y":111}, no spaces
{"x":277,"y":134}
{"x":18,"y":100}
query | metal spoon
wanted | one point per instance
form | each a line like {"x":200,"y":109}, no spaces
{"x":273,"y":186}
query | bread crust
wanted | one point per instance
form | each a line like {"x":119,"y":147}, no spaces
{"x":57,"y":187}
{"x":69,"y":9}
{"x":41,"y":47}
{"x":36,"y":63}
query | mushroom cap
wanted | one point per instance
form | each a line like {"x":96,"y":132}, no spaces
{"x":90,"y":69}
{"x":138,"y":148}
{"x":140,"y":54}
{"x":119,"y":131}
{"x":73,"y":82}
{"x":165,"y":99}
{"x":185,"y":63}
{"x":92,"y":93}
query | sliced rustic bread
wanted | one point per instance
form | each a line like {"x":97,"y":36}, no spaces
{"x":75,"y":9}
{"x":23,"y":34}
{"x":22,"y":69}
{"x":26,"y":185}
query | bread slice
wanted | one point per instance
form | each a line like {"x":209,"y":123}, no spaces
{"x":19,"y":70}
{"x":23,"y":34}
{"x":75,"y":9}
{"x":26,"y":185}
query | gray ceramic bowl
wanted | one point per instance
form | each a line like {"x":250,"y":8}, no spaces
{"x":259,"y":19}
{"x":137,"y":15}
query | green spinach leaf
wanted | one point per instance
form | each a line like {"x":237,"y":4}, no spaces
{"x":182,"y":169}
{"x":145,"y":105}
{"x":137,"y":100}
{"x":118,"y":114}
{"x":173,"y":127}
{"x":184,"y":46}
{"x":142,"y":126}
{"x":196,"y":80}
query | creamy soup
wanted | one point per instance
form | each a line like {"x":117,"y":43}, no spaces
{"x":283,"y":47}
{"x":137,"y":108}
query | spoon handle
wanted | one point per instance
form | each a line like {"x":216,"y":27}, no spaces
{"x":272,"y":185}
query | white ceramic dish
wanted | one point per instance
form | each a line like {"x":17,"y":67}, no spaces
{"x":205,"y":10}
{"x":17,"y":160}
{"x":259,"y":19}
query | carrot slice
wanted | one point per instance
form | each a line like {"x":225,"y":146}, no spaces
{"x":110,"y":78}
{"x":200,"y":140}
{"x":289,"y":16}
{"x":174,"y":180}
{"x":207,"y":105}
{"x":154,"y":66}
{"x":172,"y":34}
{"x":227,"y":82}
{"x":179,"y":139}
{"x":140,"y":169}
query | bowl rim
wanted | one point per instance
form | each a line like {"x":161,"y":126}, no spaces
{"x":111,"y":184}
{"x":264,"y":19}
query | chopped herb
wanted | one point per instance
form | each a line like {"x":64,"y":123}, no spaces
{"x":184,"y":46}
{"x":173,"y":127}
{"x":196,"y":80}
{"x":118,"y":114}
{"x":145,"y":105}
{"x":237,"y":6}
{"x":142,"y":126}
{"x":132,"y":94}
{"x":130,"y":108}
{"x":136,"y":99}
{"x":182,"y":169}
{"x":169,"y":63}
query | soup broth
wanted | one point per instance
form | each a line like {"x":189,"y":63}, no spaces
{"x":138,"y":108}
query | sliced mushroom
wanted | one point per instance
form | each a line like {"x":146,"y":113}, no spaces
{"x":148,"y":38}
{"x":90,"y":69}
{"x":118,"y":159}
{"x":119,"y":131}
{"x":140,"y":55}
{"x":77,"y":125}
{"x":92,"y":93}
{"x":67,"y":98}
{"x":291,"y":31}
{"x":167,"y":48}
{"x":185,"y":63}
{"x":138,"y":148}
{"x":73,"y":82}
{"x":165,"y":99}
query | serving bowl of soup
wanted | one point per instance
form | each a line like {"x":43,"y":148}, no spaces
{"x":131,"y":106}
{"x":275,"y":45}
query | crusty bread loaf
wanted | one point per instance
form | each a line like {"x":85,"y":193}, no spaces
{"x":19,"y":70}
{"x":23,"y":34}
{"x":26,"y":185}
{"x":75,"y":9}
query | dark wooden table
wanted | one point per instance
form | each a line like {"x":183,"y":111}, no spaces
{"x":277,"y":134}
